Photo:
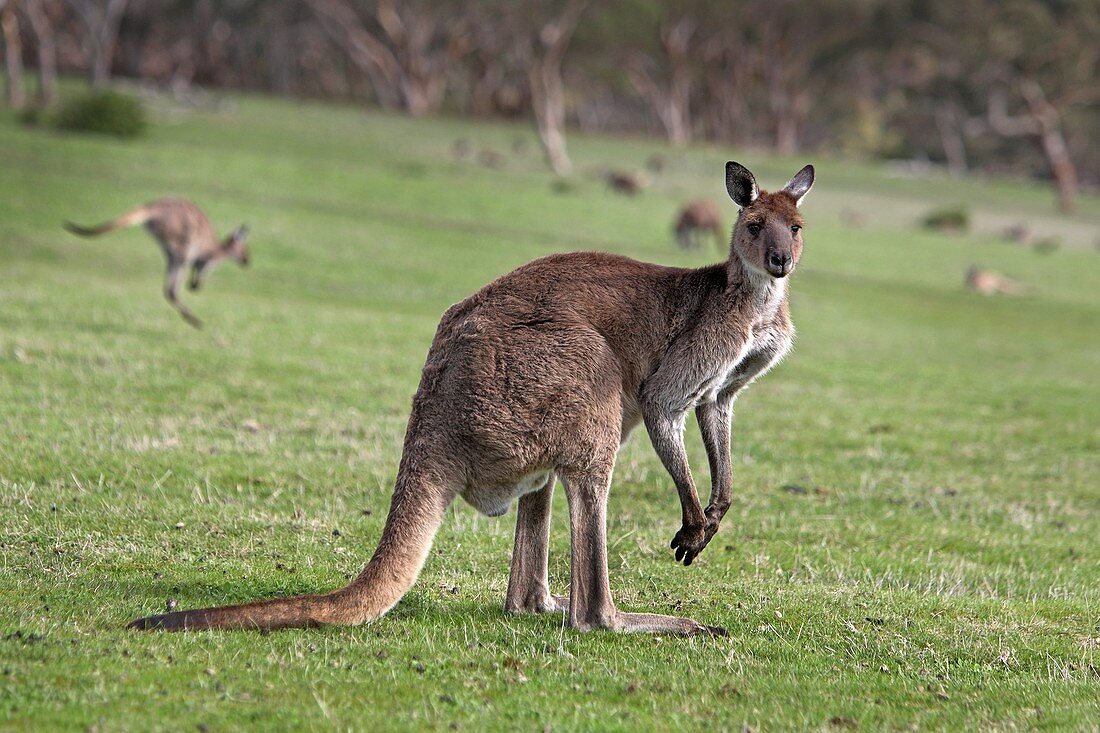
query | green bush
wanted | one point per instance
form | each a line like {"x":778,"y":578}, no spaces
{"x":955,"y":219}
{"x":108,"y":113}
{"x":31,"y":116}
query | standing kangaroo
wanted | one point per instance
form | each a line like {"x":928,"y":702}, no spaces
{"x":696,"y":219}
{"x":543,"y":374}
{"x":188,"y":239}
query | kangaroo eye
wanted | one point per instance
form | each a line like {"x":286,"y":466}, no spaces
{"x":754,"y":229}
{"x":796,"y":229}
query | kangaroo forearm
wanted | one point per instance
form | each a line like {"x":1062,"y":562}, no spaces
{"x":667,"y":435}
{"x":714,"y":425}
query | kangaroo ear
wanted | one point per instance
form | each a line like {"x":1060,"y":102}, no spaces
{"x":242,"y":232}
{"x":741,"y":184}
{"x":801,"y":184}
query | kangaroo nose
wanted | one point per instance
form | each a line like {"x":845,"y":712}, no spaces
{"x":779,"y":263}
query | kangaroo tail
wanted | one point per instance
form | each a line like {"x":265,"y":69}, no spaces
{"x":1012,"y":287}
{"x":416,"y":513}
{"x":140,"y":215}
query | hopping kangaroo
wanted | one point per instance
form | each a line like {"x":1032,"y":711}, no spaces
{"x":188,"y":239}
{"x":542,"y":374}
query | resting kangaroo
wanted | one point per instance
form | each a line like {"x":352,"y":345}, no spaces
{"x":187,"y":238}
{"x":542,"y":374}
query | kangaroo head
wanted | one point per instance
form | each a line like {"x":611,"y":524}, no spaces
{"x":234,"y":245}
{"x":768,"y":233}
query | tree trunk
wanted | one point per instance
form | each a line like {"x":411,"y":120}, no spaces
{"x":729,"y":74}
{"x":1048,"y":119}
{"x":548,"y":102}
{"x":1062,"y":166}
{"x":676,"y":40}
{"x":47,"y":51}
{"x":786,"y":134}
{"x":679,"y":108}
{"x":481,"y":93}
{"x":13,"y":57}
{"x":423,"y":91}
{"x":543,"y":64}
{"x":106,"y":36}
{"x":1044,"y":121}
{"x":954,"y":150}
{"x":783,"y":113}
{"x":671,"y":106}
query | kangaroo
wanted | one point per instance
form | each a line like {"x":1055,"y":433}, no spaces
{"x":989,"y":282}
{"x":188,"y":239}
{"x":627,"y":183}
{"x":541,"y":375}
{"x":696,"y":219}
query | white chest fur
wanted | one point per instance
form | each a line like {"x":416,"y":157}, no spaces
{"x":763,"y":348}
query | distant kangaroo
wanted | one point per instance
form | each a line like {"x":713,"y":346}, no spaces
{"x":627,"y":183}
{"x":188,"y":239}
{"x":543,"y":374}
{"x":989,"y":282}
{"x":696,"y":219}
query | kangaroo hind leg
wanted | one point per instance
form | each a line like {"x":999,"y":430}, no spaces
{"x":171,"y":293}
{"x":528,"y":583}
{"x":590,"y":602}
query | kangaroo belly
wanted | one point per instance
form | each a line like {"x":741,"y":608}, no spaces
{"x":493,"y":501}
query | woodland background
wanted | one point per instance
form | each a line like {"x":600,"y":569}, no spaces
{"x":974,"y":85}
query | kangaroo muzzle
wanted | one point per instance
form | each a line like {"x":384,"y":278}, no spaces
{"x":779,"y":264}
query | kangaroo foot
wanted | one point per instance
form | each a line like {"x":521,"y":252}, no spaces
{"x":536,"y":603}
{"x":653,"y":623}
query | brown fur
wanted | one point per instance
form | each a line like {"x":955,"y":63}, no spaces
{"x":697,"y":219}
{"x":187,"y":239}
{"x":541,"y":375}
{"x":989,"y":282}
{"x":629,"y":184}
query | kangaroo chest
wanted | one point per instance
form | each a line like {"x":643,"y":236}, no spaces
{"x":764,"y":345}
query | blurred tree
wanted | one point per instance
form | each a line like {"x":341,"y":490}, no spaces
{"x":1007,"y":70}
{"x":796,"y":44}
{"x":13,"y":54}
{"x":731,"y":69}
{"x":101,"y":20}
{"x":45,"y":47}
{"x":405,"y":50}
{"x":540,"y":33}
{"x":1040,"y":60}
{"x":494,"y":75}
{"x":665,"y":78}
{"x":1007,"y":86}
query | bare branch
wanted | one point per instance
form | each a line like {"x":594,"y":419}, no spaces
{"x":102,"y":25}
{"x":998,"y":121}
{"x":367,"y":52}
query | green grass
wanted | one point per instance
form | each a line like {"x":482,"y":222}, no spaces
{"x":937,"y":568}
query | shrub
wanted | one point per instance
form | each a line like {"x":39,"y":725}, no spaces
{"x":951,"y":219}
{"x":107,"y":113}
{"x":31,"y":116}
{"x":1046,"y":245}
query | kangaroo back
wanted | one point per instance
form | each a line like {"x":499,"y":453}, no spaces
{"x":138,"y":216}
{"x":416,"y":512}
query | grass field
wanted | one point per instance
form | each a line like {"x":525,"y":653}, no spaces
{"x":913,"y":542}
